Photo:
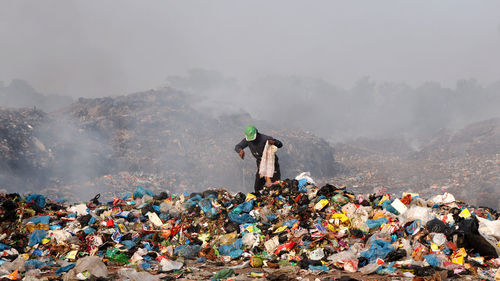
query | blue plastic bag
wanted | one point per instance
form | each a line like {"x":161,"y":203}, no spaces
{"x":247,"y":206}
{"x":64,"y":269}
{"x":378,"y":249}
{"x":188,"y":251}
{"x":208,"y":209}
{"x":89,"y":230}
{"x":386,"y":270}
{"x":4,"y":247}
{"x":318,"y":267}
{"x":302,"y":183}
{"x":376,"y":223}
{"x":140,"y":192}
{"x":432,"y":260}
{"x":244,"y":207}
{"x":40,"y":219}
{"x":36,"y":237}
{"x":240,"y":219}
{"x":36,"y":198}
{"x":193,"y":201}
{"x":129,"y":244}
{"x":387,"y":206}
{"x":290,"y":223}
{"x":34,"y":264}
{"x":233,"y":250}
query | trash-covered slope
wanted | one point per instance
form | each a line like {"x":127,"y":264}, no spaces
{"x":294,"y":231}
{"x":465,"y":163}
{"x":159,"y":132}
{"x":22,"y":154}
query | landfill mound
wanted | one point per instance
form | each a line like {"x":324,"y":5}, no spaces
{"x":480,"y":138}
{"x":19,"y":93}
{"x":21,"y":153}
{"x":465,"y":163}
{"x":293,"y":231}
{"x":153,"y":134}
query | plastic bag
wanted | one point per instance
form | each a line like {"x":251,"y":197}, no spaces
{"x":223,"y":274}
{"x":432,"y":260}
{"x":188,"y":251}
{"x":38,"y":199}
{"x":446,"y":198}
{"x":40,"y":219}
{"x":153,"y":217}
{"x":116,"y":255}
{"x":369,"y":268}
{"x":340,"y":199}
{"x":317,"y":254}
{"x":305,"y":176}
{"x":439,"y":239}
{"x":140,"y":192}
{"x":416,"y":212}
{"x":64,"y":269}
{"x":251,"y":239}
{"x":376,"y":223}
{"x":378,"y":249}
{"x":36,"y":237}
{"x":133,"y":275}
{"x":91,"y":264}
{"x":233,"y":250}
{"x":207,"y":208}
{"x":342,"y":256}
{"x":34,"y":264}
{"x":437,"y":226}
{"x":240,"y":219}
{"x":169,"y":265}
{"x":491,"y":228}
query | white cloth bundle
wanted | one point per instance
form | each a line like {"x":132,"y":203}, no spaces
{"x":266,"y":167}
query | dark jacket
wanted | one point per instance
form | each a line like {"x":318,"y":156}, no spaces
{"x":257,"y":146}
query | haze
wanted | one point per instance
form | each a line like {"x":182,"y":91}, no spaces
{"x":102,"y":48}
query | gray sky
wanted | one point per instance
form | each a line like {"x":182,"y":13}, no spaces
{"x":96,"y":48}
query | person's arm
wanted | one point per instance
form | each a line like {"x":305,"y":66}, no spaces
{"x":276,"y":142}
{"x":241,"y":145}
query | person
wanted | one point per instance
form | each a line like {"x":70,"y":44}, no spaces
{"x":256,"y":142}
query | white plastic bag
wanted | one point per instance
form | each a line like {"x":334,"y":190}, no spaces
{"x":491,"y":228}
{"x":417,"y":212}
{"x":446,"y":198}
{"x":307,"y":176}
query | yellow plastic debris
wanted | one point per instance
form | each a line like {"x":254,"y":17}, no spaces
{"x":343,"y":218}
{"x":72,"y":255}
{"x":321,"y":204}
{"x":250,"y":196}
{"x":465,"y":213}
{"x":281,"y":229}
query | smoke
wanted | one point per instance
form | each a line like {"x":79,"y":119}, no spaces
{"x":367,"y":109}
{"x":95,"y":49}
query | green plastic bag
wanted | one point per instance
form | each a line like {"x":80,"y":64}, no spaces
{"x":116,"y":255}
{"x":340,"y":199}
{"x":224,"y":274}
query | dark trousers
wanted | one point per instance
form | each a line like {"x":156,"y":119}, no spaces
{"x":260,"y":182}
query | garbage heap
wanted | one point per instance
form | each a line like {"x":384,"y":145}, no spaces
{"x":294,"y":225}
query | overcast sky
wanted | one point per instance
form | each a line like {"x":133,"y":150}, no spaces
{"x":97,"y":48}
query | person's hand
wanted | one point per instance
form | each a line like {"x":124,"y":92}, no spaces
{"x":242,"y":154}
{"x":271,"y":142}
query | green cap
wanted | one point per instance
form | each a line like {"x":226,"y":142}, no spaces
{"x":250,"y":133}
